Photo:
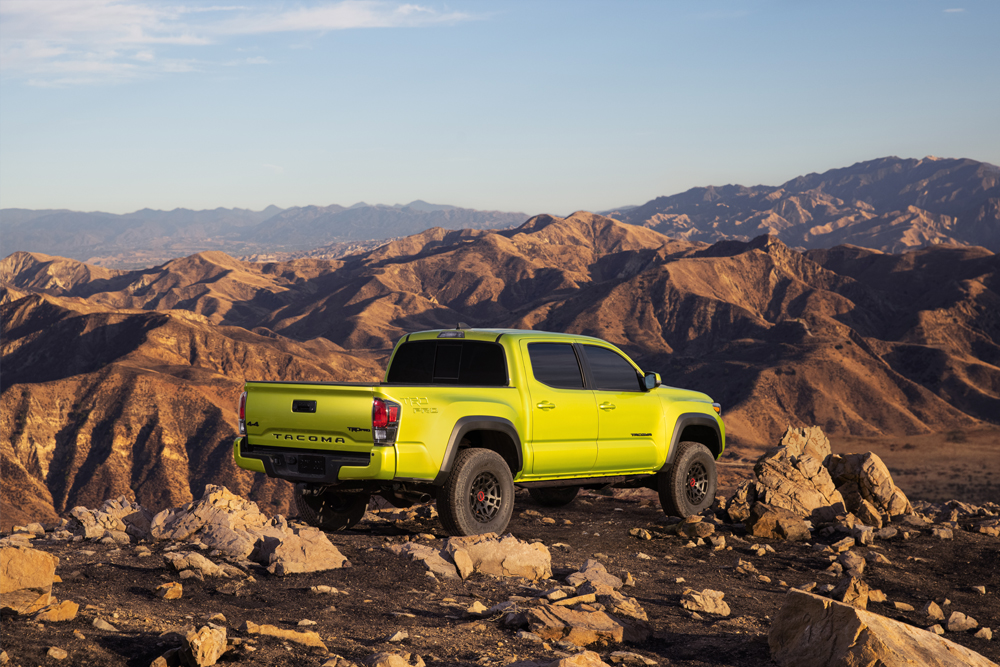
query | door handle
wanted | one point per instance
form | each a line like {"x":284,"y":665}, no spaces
{"x":607,"y":406}
{"x":545,"y":405}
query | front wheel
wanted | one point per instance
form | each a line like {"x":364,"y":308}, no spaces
{"x":331,"y":510}
{"x":478,"y":496}
{"x":688,"y":487}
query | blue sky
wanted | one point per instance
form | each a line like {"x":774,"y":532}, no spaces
{"x":541,"y":106}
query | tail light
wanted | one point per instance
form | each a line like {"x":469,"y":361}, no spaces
{"x":243,"y":413}
{"x":385,"y":421}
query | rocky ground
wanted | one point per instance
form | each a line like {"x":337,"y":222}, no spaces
{"x":386,"y":602}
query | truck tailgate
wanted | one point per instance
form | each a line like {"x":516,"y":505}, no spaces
{"x":310,"y":416}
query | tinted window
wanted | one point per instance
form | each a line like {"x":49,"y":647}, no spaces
{"x":449,"y":362}
{"x":611,"y":371}
{"x":555,"y":364}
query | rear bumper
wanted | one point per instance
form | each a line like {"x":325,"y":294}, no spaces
{"x":316,"y":466}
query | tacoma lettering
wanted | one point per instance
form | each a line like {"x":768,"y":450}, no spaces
{"x":307,"y":438}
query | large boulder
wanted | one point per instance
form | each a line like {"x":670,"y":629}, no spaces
{"x":26,"y":577}
{"x":812,"y":631}
{"x":221,"y":520}
{"x":304,"y":549}
{"x":235,"y":527}
{"x":864,"y":477}
{"x":506,"y":556}
{"x":792,"y":477}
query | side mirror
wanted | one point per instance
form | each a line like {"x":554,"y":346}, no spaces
{"x":651,"y":380}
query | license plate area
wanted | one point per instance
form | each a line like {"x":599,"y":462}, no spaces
{"x":312,"y":465}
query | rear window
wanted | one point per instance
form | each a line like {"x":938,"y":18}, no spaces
{"x":449,"y":362}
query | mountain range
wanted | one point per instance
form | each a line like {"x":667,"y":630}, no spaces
{"x":121,"y":381}
{"x":889,"y":204}
{"x":149,"y":237}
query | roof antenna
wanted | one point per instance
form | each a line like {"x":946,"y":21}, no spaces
{"x":463,"y":326}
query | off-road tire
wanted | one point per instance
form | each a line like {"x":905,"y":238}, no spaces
{"x":554,"y":496}
{"x":331,"y":510}
{"x":478,"y":496}
{"x":688,"y":487}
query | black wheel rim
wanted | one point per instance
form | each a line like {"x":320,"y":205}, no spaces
{"x":696,"y":483}
{"x":485,"y":497}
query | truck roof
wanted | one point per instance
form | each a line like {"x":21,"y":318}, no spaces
{"x":493,"y":335}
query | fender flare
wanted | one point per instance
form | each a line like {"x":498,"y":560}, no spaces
{"x":690,"y":419}
{"x":476,"y":423}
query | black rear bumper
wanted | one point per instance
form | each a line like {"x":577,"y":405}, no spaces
{"x":316,"y":466}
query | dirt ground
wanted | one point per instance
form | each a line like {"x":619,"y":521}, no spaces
{"x":387,"y":593}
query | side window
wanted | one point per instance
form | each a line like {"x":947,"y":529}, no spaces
{"x":612,"y":372}
{"x":555,"y":364}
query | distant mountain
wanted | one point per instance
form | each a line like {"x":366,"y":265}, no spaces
{"x":889,"y":204}
{"x":149,"y":237}
{"x":313,"y":226}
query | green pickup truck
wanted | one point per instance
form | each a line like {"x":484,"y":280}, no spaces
{"x":466,"y":415}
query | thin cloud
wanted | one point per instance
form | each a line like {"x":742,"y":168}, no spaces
{"x":256,"y":60}
{"x":350,"y":14}
{"x":41,"y":41}
{"x":954,"y":10}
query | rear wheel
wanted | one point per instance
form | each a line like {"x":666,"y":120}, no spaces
{"x":554,"y":496}
{"x":331,"y":510}
{"x":478,"y":496}
{"x":688,"y":487}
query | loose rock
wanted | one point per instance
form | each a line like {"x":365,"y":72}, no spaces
{"x":852,"y":591}
{"x":204,"y":647}
{"x":706,"y":601}
{"x":959,"y":622}
{"x":582,"y":659}
{"x":308,"y":638}
{"x":596,"y":573}
{"x":170,"y":590}
{"x":57,"y":653}
{"x":933,"y":611}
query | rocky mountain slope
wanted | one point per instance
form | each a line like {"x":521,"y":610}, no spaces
{"x":889,"y":204}
{"x":128,"y":379}
{"x":149,"y":237}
